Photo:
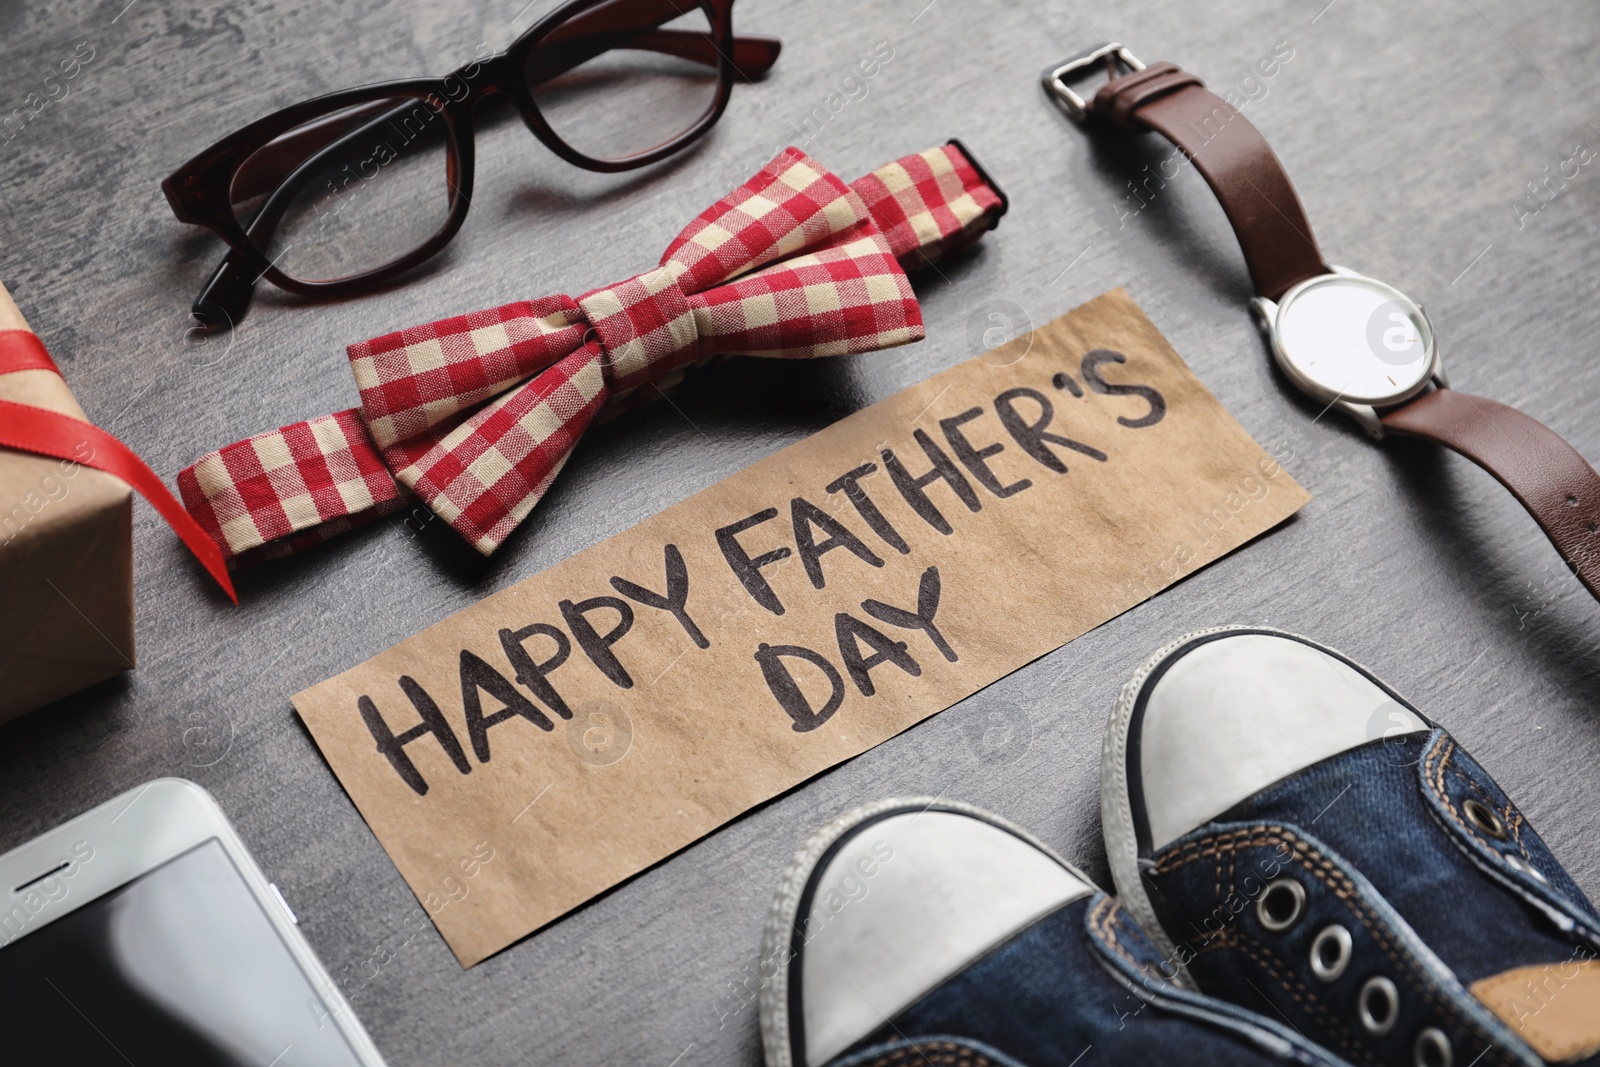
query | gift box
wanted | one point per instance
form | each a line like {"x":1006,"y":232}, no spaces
{"x":66,"y":557}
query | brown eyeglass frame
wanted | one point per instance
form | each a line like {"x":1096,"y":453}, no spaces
{"x":202,"y":191}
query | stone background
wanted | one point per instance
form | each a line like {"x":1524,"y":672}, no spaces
{"x":1411,"y":131}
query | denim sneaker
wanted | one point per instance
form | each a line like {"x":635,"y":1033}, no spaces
{"x":1305,"y":843}
{"x":926,"y":933}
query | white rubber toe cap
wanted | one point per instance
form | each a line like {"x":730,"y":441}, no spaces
{"x":1230,"y":716}
{"x":907,"y":902}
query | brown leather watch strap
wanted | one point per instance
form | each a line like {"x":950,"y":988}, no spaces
{"x":1556,"y":484}
{"x":1235,"y":161}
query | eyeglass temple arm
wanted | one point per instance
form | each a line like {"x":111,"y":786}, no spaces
{"x":266,"y":169}
{"x":289,"y":165}
{"x":640,"y":21}
{"x":226,"y":296}
{"x":753,"y":56}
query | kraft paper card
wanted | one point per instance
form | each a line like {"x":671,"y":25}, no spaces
{"x":594,"y":719}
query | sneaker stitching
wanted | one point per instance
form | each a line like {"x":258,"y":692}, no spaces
{"x":1323,"y":869}
{"x":943,"y":1054}
{"x":1515,"y":822}
{"x":1513,"y":819}
{"x":1226,"y":939}
{"x":1265,"y":958}
{"x":1103,"y":919}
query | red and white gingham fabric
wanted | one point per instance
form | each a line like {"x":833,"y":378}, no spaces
{"x":477,"y":414}
{"x":930,"y":205}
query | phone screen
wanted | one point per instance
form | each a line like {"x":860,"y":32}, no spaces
{"x":178,"y":966}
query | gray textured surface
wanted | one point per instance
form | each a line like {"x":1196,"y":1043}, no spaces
{"x":1409,"y":129}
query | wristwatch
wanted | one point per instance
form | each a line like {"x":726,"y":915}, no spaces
{"x":1344,"y":339}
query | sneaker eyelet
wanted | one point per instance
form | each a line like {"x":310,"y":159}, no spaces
{"x":1330,"y":953}
{"x":1432,"y":1049}
{"x":1281,"y":904}
{"x":1485,"y":819}
{"x":1378,"y":1004}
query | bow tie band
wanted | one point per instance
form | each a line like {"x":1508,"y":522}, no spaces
{"x":477,"y":414}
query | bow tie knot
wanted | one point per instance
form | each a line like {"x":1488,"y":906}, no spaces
{"x":645,"y":326}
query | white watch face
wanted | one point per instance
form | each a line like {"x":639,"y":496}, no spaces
{"x":1354,"y":338}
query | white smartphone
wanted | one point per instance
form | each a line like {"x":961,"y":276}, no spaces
{"x":143,"y":932}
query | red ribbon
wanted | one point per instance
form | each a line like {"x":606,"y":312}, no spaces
{"x":49,"y":433}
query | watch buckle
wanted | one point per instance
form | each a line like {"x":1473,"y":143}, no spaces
{"x":1055,"y":77}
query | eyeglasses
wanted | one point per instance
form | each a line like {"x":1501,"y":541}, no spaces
{"x":354,"y":188}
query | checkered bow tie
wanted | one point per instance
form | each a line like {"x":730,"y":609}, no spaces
{"x":477,"y":414}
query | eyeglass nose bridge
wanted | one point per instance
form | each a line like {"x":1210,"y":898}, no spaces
{"x":473,"y":82}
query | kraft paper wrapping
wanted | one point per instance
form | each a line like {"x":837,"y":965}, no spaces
{"x":66,"y":559}
{"x":788,"y":618}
